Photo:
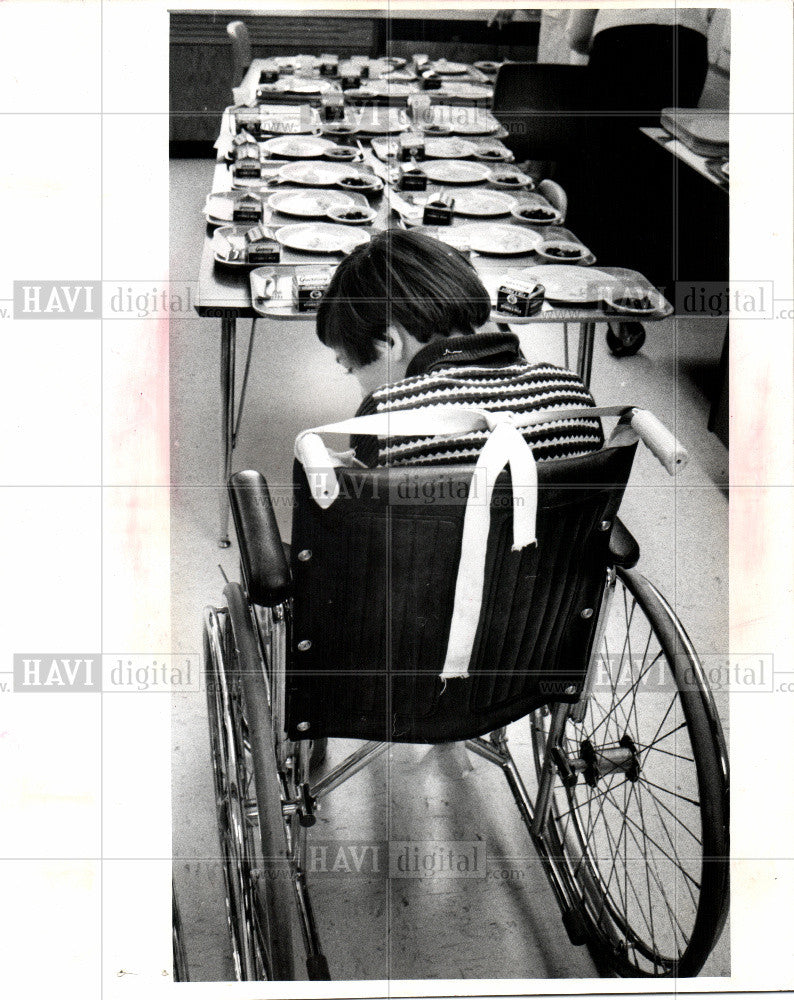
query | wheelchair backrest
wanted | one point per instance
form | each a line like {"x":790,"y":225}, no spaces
{"x":374,"y":579}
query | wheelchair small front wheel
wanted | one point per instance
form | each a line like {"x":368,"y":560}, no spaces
{"x":640,"y":835}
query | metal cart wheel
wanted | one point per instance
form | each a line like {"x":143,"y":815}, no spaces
{"x":638,"y":825}
{"x":625,"y":339}
{"x":254,"y":853}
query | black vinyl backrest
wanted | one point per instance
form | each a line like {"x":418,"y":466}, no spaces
{"x":543,"y":106}
{"x":374,"y":579}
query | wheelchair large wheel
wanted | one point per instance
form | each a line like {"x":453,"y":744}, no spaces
{"x":638,"y":827}
{"x":254,"y":853}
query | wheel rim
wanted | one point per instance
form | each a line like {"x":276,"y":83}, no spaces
{"x":632,"y":839}
{"x":235,"y":807}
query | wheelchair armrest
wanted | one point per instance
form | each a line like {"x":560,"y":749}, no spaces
{"x":264,"y":564}
{"x":623,"y":548}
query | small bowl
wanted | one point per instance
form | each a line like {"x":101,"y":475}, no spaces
{"x":340,"y":153}
{"x":436,"y":128}
{"x":562,"y":251}
{"x":492,"y":155}
{"x":633,"y":301}
{"x":511,"y":179}
{"x":360,"y":182}
{"x":355,"y":215}
{"x":536,"y":215}
{"x":339,"y":128}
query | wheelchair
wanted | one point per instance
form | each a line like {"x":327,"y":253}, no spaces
{"x":343,"y":634}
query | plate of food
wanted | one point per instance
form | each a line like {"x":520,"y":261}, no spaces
{"x":385,"y":88}
{"x":449,"y":148}
{"x":498,"y":239}
{"x":298,"y":85}
{"x":562,"y":251}
{"x":537,"y":212}
{"x":511,"y":179}
{"x":456,"y":172}
{"x":296,"y":147}
{"x":432,"y":128}
{"x":467,"y":91}
{"x":353,"y":215}
{"x":313,"y":173}
{"x":572,"y":285}
{"x":345,"y":127}
{"x":309,"y":204}
{"x":633,"y":301}
{"x":493,"y":152}
{"x":464,"y":120}
{"x":321,"y":237}
{"x":359,"y":182}
{"x":342,"y":153}
{"x":445,"y":68}
{"x":484,"y":204}
{"x":487,"y":66}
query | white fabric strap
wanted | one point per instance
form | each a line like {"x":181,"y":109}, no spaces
{"x":505,"y":446}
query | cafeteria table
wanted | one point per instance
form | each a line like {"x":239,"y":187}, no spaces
{"x":224,"y":291}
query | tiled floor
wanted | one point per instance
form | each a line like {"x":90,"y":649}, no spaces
{"x":374,"y":928}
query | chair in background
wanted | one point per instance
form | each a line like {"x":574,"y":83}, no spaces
{"x":555,"y":195}
{"x":544,"y":107}
{"x":241,"y":50}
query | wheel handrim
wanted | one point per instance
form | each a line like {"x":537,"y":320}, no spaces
{"x":633,"y":843}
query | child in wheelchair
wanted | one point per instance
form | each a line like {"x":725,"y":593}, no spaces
{"x":372,"y":634}
{"x":402,"y":314}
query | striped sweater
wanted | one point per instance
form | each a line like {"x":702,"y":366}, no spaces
{"x":488,"y":371}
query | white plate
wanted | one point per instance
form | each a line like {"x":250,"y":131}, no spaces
{"x":571,"y":284}
{"x":501,"y":240}
{"x":298,"y":147}
{"x":321,"y":237}
{"x":483,"y":203}
{"x":449,"y":148}
{"x":373,"y":183}
{"x":385,"y":88}
{"x":309,"y":204}
{"x":313,"y":173}
{"x":456,"y":172}
{"x":298,"y":85}
{"x":486,"y":66}
{"x":444,"y":68}
{"x":465,"y":121}
{"x":469,"y":91}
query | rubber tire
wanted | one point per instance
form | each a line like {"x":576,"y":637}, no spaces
{"x":625,"y":338}
{"x":711,"y":762}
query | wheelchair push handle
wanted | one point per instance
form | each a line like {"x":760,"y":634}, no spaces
{"x":659,"y":440}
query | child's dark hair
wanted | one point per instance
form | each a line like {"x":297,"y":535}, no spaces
{"x":403,"y":277}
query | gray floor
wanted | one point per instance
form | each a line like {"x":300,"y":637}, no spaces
{"x":507,"y":925}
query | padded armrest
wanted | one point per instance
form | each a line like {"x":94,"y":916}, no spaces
{"x":265,"y":567}
{"x":623,"y":547}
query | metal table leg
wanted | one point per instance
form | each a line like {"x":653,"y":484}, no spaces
{"x":584,"y":361}
{"x":228,"y":351}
